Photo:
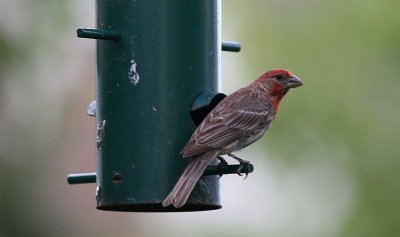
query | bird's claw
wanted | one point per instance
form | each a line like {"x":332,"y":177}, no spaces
{"x":242,"y":163}
{"x":239,"y":172}
{"x":222,"y":163}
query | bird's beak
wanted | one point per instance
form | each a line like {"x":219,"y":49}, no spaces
{"x":294,"y":82}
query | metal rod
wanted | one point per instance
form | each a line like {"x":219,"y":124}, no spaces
{"x":228,"y":169}
{"x":82,"y":178}
{"x":98,"y":34}
{"x":231,"y":46}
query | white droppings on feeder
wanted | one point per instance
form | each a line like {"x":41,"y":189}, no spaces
{"x":133,"y":75}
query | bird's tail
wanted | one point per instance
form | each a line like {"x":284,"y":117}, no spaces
{"x":188,"y":180}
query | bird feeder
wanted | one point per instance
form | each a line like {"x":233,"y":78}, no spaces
{"x":158,"y":73}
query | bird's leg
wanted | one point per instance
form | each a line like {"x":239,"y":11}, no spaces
{"x":222,"y":162}
{"x":241,"y":164}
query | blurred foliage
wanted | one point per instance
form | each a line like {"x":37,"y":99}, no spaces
{"x":346,"y":52}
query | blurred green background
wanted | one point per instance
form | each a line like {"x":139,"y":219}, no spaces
{"x":329,"y":166}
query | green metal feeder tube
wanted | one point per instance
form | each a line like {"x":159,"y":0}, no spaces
{"x":167,"y":54}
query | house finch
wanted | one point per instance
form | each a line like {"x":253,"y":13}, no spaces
{"x":236,"y":122}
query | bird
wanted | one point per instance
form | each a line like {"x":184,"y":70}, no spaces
{"x":237,"y":121}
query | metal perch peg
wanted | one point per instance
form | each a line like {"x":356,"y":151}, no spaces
{"x":82,"y":178}
{"x":114,"y":35}
{"x":231,"y":46}
{"x":85,"y":178}
{"x":229,"y":169}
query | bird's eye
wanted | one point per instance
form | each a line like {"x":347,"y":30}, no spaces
{"x":279,"y":77}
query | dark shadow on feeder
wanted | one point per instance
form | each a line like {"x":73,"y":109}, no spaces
{"x":203,"y":105}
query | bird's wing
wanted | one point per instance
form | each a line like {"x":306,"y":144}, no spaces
{"x":220,"y":129}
